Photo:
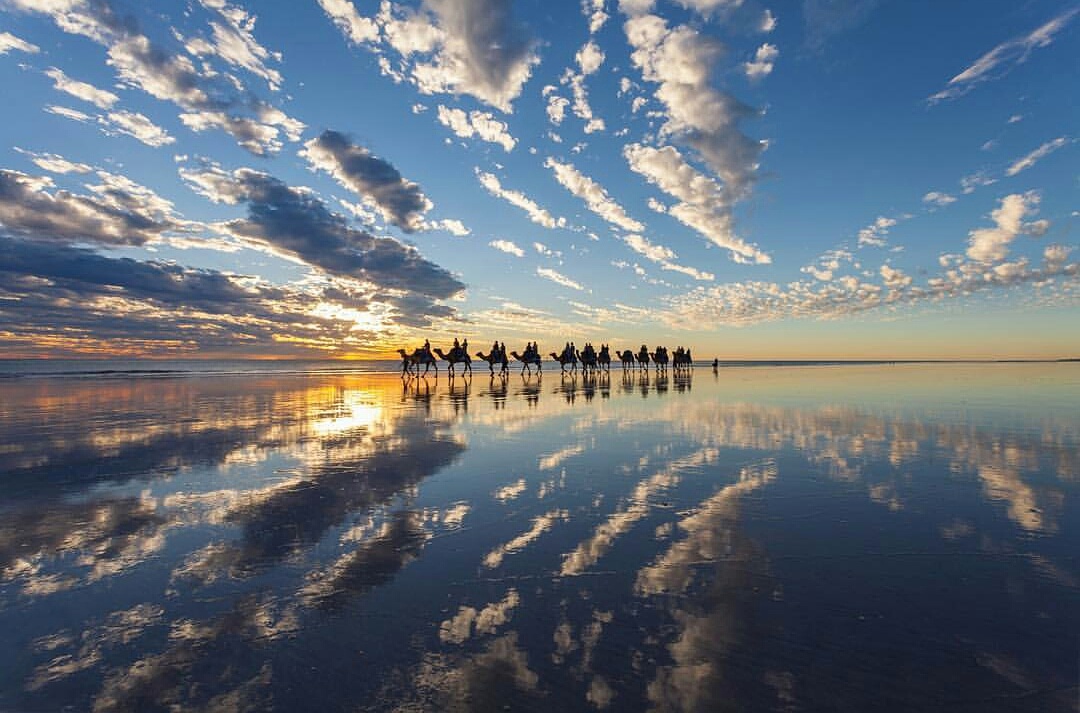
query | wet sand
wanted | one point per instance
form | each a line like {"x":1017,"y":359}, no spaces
{"x":893,"y":538}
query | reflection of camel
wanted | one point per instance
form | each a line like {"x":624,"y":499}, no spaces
{"x":493,"y":359}
{"x":409,"y":362}
{"x":627,"y":358}
{"x":563,"y":360}
{"x":527,"y":362}
{"x":456,"y":356}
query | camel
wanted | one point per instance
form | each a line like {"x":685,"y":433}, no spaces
{"x":626,"y":357}
{"x":418,"y":357}
{"x":564,"y":360}
{"x":603,"y":359}
{"x":588,"y":361}
{"x":456,"y":356}
{"x":660,"y":358}
{"x":493,"y":359}
{"x":527,"y":362}
{"x":642,"y":358}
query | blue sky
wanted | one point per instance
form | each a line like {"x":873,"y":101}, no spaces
{"x":815,"y":179}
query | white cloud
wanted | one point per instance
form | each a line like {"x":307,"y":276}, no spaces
{"x":589,"y":57}
{"x":507,"y":247}
{"x":134,"y":124}
{"x":556,"y":108}
{"x":703,"y":204}
{"x":232,"y":41}
{"x":969,"y":184}
{"x":680,"y":61}
{"x":768,"y":22}
{"x":875,"y":233}
{"x":539,"y":215}
{"x":10,"y":42}
{"x":987,"y":245}
{"x":451,"y":225}
{"x":763,"y":62}
{"x":938,"y":199}
{"x":81,"y":90}
{"x":481,"y":124}
{"x":1039,"y":153}
{"x":55,"y":164}
{"x":68,"y":113}
{"x":357,"y":28}
{"x":546,"y":251}
{"x":594,"y":195}
{"x":558,"y":278}
{"x":1014,"y":51}
{"x":594,"y":10}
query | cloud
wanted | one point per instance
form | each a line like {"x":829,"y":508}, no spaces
{"x":875,"y":233}
{"x":473,"y":47}
{"x":594,"y":195}
{"x":208,"y":98}
{"x":357,"y":28}
{"x":507,"y":247}
{"x":1039,"y":153}
{"x":987,"y":245}
{"x":373,"y":179}
{"x":54,"y":163}
{"x":558,"y":278}
{"x":538,"y":215}
{"x":704,"y":205}
{"x":1007,"y":54}
{"x":594,"y":11}
{"x":556,"y":108}
{"x":451,"y":225}
{"x":134,"y":124}
{"x":938,"y":199}
{"x":968,"y":184}
{"x":762,"y":64}
{"x":120,"y":213}
{"x":293,"y":222}
{"x":663,"y":256}
{"x":122,"y":122}
{"x":477,"y":123}
{"x":10,"y":42}
{"x":825,"y":18}
{"x":232,"y":41}
{"x":100,"y":98}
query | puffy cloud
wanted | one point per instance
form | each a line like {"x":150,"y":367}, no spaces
{"x":763,"y":62}
{"x":54,"y":163}
{"x":556,"y":108}
{"x":357,"y":28}
{"x":663,"y":256}
{"x":558,"y":278}
{"x":938,"y":199}
{"x":373,"y":179}
{"x":703,"y":206}
{"x":875,"y":233}
{"x":120,"y":213}
{"x":134,"y":124}
{"x":507,"y":246}
{"x":100,"y":98}
{"x":477,"y":123}
{"x":968,"y":184}
{"x":10,"y":42}
{"x":1039,"y":153}
{"x":232,"y":40}
{"x":992,"y":244}
{"x":768,"y":21}
{"x":207,"y":98}
{"x":293,"y":222}
{"x":680,"y":61}
{"x":539,"y":215}
{"x":594,"y":195}
{"x":1014,"y":51}
{"x":450,"y":225}
{"x":589,"y":57}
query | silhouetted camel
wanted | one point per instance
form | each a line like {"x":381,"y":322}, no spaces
{"x":642,"y":358}
{"x":626,"y":357}
{"x":564,"y":360}
{"x":456,"y":356}
{"x":603,"y":359}
{"x":528,"y":362}
{"x":418,"y":357}
{"x":493,"y":359}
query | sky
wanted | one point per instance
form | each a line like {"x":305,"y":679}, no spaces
{"x":821,"y":179}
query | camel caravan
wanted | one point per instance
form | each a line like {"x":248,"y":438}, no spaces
{"x":589,"y":357}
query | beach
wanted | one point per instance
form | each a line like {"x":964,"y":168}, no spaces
{"x":823,"y":537}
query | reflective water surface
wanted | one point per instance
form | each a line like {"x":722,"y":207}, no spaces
{"x":886,"y":538}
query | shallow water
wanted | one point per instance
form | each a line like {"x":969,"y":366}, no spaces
{"x":851,"y":538}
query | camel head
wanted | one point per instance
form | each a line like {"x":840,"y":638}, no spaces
{"x":440,"y":353}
